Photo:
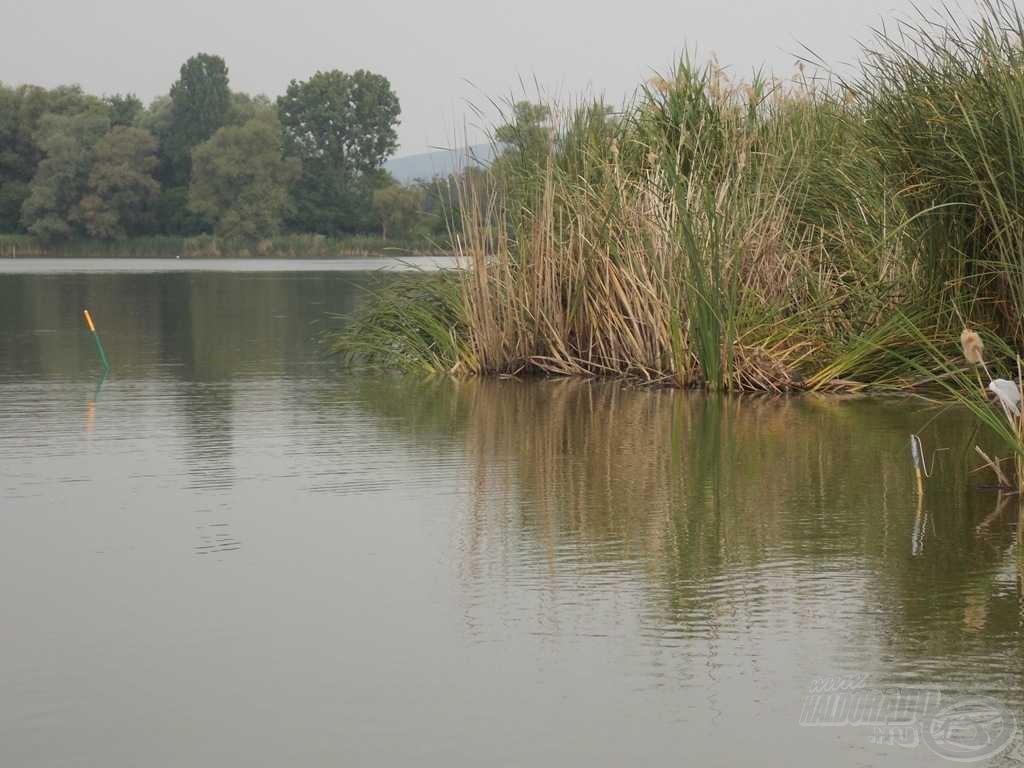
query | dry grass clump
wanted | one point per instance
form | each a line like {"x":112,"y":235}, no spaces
{"x":676,"y":257}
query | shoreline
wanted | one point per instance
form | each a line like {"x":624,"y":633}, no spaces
{"x":208,"y":247}
{"x":154,"y":264}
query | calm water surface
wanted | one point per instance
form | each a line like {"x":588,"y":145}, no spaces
{"x":230,"y":553}
{"x":132,"y":266}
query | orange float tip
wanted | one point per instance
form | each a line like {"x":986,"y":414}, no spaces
{"x":88,"y":320}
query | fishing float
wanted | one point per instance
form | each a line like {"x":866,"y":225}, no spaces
{"x":96,"y":337}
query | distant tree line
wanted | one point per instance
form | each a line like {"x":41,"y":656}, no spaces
{"x":206,"y":159}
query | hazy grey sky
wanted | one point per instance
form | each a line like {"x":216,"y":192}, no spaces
{"x":438,"y":55}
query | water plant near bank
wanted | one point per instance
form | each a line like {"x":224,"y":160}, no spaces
{"x":989,"y":388}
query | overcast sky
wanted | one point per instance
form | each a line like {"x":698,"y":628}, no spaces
{"x":438,"y":54}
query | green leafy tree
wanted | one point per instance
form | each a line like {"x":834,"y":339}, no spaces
{"x":244,"y":108}
{"x":121,"y":189}
{"x":68,"y":144}
{"x":524,"y":143}
{"x":240,"y":179}
{"x":156,"y":118}
{"x":172,"y":214}
{"x":443,"y":197}
{"x":174,"y":217}
{"x":124,"y":109}
{"x":342,"y":127}
{"x":16,"y":160}
{"x":21,"y":112}
{"x":200,"y":101}
{"x":527,"y":129}
{"x":12,"y":197}
{"x":399,"y":209}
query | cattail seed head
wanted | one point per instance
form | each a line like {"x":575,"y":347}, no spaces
{"x":973,"y":347}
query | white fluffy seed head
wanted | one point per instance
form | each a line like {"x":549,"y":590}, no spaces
{"x":973,"y":347}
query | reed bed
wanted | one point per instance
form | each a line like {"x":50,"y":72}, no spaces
{"x":764,"y":235}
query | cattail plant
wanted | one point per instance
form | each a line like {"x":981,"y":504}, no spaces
{"x":1008,"y":395}
{"x":973,"y":347}
{"x":1003,"y":417}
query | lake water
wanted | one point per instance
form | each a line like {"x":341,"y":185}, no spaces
{"x":230,"y":552}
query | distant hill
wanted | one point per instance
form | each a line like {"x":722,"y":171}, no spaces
{"x":441,"y":162}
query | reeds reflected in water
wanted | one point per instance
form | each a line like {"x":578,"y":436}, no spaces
{"x":724,"y":515}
